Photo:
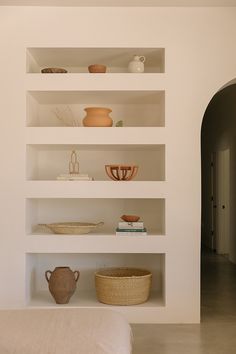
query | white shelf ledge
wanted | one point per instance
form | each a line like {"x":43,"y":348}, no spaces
{"x":84,"y":81}
{"x":83,"y":135}
{"x":105,"y":243}
{"x":88,"y":299}
{"x":95,"y":189}
{"x":147,"y":312}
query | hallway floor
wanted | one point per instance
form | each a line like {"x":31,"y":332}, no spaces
{"x":217,"y":332}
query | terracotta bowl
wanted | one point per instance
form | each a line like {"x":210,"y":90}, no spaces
{"x":130,"y":218}
{"x":121,"y":172}
{"x":97,"y":68}
{"x":53,"y":71}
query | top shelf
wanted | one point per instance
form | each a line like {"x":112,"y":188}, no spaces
{"x":77,"y":60}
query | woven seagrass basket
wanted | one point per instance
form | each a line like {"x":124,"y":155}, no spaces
{"x":123,"y":286}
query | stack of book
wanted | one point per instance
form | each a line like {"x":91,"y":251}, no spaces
{"x":131,"y":229}
{"x":74,"y":177}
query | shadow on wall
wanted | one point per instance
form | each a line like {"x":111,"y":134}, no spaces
{"x":219,"y":134}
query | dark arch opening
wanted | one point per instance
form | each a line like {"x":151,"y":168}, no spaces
{"x":218,"y":236}
{"x":218,"y":134}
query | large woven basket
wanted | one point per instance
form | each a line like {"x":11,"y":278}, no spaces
{"x":123,"y":286}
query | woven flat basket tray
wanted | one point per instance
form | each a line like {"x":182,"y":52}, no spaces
{"x":123,"y":286}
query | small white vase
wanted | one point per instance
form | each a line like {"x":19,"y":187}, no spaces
{"x":137,"y":64}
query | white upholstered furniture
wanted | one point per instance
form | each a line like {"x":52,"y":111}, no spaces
{"x":64,"y":331}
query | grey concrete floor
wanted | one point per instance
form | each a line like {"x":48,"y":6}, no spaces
{"x":217,"y":332}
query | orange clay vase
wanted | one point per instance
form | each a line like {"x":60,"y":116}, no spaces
{"x":97,"y":117}
{"x":62,"y":283}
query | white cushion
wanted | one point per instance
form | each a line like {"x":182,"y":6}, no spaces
{"x":64,"y":331}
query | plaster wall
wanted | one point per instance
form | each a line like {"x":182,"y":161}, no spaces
{"x":200,"y":58}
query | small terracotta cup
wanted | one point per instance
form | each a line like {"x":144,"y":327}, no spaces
{"x":97,"y":68}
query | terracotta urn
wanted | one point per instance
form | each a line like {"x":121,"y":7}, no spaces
{"x":62,"y":283}
{"x":97,"y":117}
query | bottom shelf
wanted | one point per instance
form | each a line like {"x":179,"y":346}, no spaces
{"x":89,"y":299}
{"x":152,"y":311}
{"x":38,"y":295}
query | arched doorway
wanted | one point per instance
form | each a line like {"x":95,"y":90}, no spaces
{"x":218,"y":153}
{"x":218,"y":143}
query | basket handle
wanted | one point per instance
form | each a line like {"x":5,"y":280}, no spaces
{"x":100,"y":223}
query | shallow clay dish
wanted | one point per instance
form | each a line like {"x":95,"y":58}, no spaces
{"x":53,"y":71}
{"x":97,"y":68}
{"x":130,"y":218}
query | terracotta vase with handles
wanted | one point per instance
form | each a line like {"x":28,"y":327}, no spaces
{"x":97,"y":117}
{"x":62,"y":283}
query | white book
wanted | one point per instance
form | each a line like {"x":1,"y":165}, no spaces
{"x":131,"y":233}
{"x":131,"y":225}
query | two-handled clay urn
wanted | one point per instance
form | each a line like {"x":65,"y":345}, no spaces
{"x":97,"y":117}
{"x":62,"y":283}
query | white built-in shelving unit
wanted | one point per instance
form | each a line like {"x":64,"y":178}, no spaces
{"x":138,"y":100}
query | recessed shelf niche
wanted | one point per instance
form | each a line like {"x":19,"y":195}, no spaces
{"x":77,"y":60}
{"x":66,"y":108}
{"x":46,"y":162}
{"x":37,"y":286}
{"x":108,"y":210}
{"x":57,"y":101}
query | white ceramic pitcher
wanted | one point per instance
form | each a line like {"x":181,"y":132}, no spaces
{"x":137,"y":64}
